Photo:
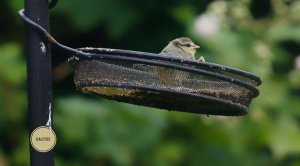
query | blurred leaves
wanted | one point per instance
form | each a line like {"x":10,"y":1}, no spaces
{"x":294,"y":78}
{"x":285,"y":127}
{"x":117,"y":16}
{"x":119,"y":134}
{"x":12,"y":64}
{"x":12,"y":103}
{"x":12,"y":77}
{"x":184,"y":14}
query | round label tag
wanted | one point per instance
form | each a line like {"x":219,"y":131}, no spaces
{"x":43,"y":139}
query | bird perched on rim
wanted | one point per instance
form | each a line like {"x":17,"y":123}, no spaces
{"x":182,"y":48}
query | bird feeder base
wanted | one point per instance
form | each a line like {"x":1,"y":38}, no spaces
{"x":139,"y":84}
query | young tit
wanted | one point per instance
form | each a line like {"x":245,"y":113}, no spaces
{"x":183,"y":48}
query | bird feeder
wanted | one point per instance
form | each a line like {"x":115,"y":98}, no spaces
{"x":129,"y":76}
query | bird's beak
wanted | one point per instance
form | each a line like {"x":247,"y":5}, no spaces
{"x":196,"y":46}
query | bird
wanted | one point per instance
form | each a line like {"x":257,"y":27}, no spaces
{"x":182,"y":47}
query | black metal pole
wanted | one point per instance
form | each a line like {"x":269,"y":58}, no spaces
{"x":38,"y":76}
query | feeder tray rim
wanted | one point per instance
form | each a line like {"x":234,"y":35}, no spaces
{"x":148,"y":55}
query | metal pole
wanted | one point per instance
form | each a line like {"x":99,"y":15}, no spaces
{"x":38,"y":76}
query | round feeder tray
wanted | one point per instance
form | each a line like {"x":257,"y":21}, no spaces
{"x":132,"y":77}
{"x":154,"y":80}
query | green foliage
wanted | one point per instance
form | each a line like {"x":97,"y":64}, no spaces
{"x":95,"y":131}
{"x":12,"y":103}
{"x":119,"y":16}
{"x":121,"y":132}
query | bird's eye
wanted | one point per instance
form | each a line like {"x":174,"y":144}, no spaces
{"x":188,"y":45}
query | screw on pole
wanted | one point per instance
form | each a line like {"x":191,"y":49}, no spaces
{"x":38,"y":76}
